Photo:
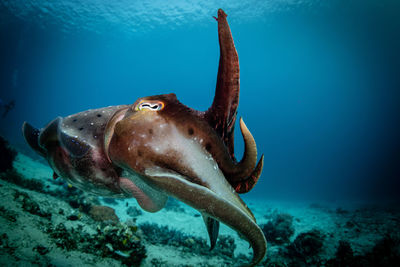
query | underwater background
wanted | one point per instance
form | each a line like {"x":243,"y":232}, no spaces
{"x":320,"y":92}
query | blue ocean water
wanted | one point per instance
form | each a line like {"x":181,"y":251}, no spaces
{"x":320,"y":92}
{"x":319,"y":79}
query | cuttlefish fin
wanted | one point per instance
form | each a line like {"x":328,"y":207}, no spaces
{"x":148,"y":199}
{"x":49,"y":135}
{"x":222,"y":114}
{"x":74,"y":145}
{"x":53,"y":135}
{"x":31,"y":135}
{"x":109,"y":130}
{"x":212,"y":226}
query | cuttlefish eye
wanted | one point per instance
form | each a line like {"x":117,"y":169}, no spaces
{"x":151,"y":105}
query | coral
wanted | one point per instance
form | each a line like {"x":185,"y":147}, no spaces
{"x":158,"y":263}
{"x":344,"y":255}
{"x":3,"y":239}
{"x":63,"y":238}
{"x":174,"y":205}
{"x":118,"y":242}
{"x":227,"y":245}
{"x":14,"y":177}
{"x":5,"y":244}
{"x":41,"y":249}
{"x":307,"y":245}
{"x":29,"y":205}
{"x":73,"y":217}
{"x":386,"y":252}
{"x":164,"y":235}
{"x":341,"y":211}
{"x":7,"y":155}
{"x":133,"y":211}
{"x":8,"y":214}
{"x":110,"y":201}
{"x":79,"y":202}
{"x":279,"y":229}
{"x":274,"y":263}
{"x":344,"y":251}
{"x":103,"y":214}
{"x":122,"y":243}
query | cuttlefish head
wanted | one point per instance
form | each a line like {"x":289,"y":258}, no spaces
{"x":168,"y":145}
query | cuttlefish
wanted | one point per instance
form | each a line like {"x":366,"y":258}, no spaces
{"x":158,"y":147}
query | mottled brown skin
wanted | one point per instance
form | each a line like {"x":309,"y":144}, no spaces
{"x":222,"y":114}
{"x":139,"y":134}
{"x":81,"y":159}
{"x":95,"y":151}
{"x":188,"y":122}
{"x":228,"y":215}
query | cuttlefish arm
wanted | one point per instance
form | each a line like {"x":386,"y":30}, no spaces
{"x":222,"y":114}
{"x":163,"y":142}
{"x":219,"y":208}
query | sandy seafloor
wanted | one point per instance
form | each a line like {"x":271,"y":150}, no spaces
{"x":27,"y":240}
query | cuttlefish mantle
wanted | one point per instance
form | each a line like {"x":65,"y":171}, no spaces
{"x":158,"y":147}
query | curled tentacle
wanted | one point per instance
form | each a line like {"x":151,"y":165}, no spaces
{"x":245,"y":185}
{"x":249,"y":160}
{"x":239,"y":171}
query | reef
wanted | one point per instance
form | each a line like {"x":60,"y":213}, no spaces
{"x":174,"y":205}
{"x":120,"y":242}
{"x":47,"y":222}
{"x":103,"y":214}
{"x":279,"y":229}
{"x":386,"y":252}
{"x":164,"y":235}
{"x":133,"y":211}
{"x":7,"y":155}
{"x":306,"y":247}
{"x":358,"y":237}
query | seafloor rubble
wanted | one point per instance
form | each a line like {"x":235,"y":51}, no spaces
{"x":46,"y":222}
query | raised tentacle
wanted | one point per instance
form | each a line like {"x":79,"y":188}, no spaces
{"x":222,"y":113}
